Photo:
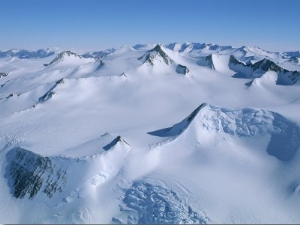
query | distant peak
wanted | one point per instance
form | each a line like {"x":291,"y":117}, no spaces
{"x":67,"y":53}
{"x":157,"y":48}
{"x":26,"y":54}
{"x":61,"y":56}
{"x":152,"y":54}
{"x":266,"y":65}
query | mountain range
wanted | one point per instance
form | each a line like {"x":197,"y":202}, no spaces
{"x":179,"y":133}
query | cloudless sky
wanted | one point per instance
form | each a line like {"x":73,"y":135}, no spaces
{"x":101,"y":24}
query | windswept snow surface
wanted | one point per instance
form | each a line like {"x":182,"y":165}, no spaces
{"x":178,"y":133}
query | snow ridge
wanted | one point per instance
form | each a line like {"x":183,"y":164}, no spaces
{"x":62,"y":56}
{"x":208,"y":122}
{"x":258,"y":69}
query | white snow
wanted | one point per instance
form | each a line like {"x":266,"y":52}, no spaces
{"x":123,"y":130}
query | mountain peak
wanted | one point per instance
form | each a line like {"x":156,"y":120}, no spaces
{"x":115,"y":142}
{"x":208,"y":122}
{"x":65,"y":54}
{"x":72,"y":59}
{"x":157,"y":48}
{"x":61,"y":56}
{"x":266,"y":65}
{"x":180,"y":127}
{"x":156,"y":53}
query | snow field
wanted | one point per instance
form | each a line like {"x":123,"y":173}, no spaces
{"x":133,"y":147}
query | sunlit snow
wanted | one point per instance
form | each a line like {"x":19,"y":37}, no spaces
{"x":177,"y":133}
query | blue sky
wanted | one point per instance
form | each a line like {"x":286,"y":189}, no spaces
{"x":101,"y":24}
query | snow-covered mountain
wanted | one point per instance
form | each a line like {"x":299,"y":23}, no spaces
{"x":26,"y":54}
{"x":176,"y":133}
{"x":157,"y":57}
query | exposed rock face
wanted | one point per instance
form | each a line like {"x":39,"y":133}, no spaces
{"x":206,"y":61}
{"x":294,"y":60}
{"x":29,"y":173}
{"x":117,"y":140}
{"x":48,"y":95}
{"x":3,"y":75}
{"x":266,"y":65}
{"x":252,"y":70}
{"x":61,"y":56}
{"x":286,"y":77}
{"x":258,"y":69}
{"x":13,"y":95}
{"x":33,"y":176}
{"x":182,"y":69}
{"x":156,"y":54}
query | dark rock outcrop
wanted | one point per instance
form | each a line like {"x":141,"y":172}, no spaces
{"x":182,"y":69}
{"x":206,"y":61}
{"x":3,"y":75}
{"x":29,"y":173}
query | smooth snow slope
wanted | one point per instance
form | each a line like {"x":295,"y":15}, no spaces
{"x":150,"y":134}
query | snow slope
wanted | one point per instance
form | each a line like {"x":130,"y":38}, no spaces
{"x":177,"y":133}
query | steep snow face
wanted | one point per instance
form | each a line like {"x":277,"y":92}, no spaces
{"x":216,"y":62}
{"x":220,"y":63}
{"x":208,"y":123}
